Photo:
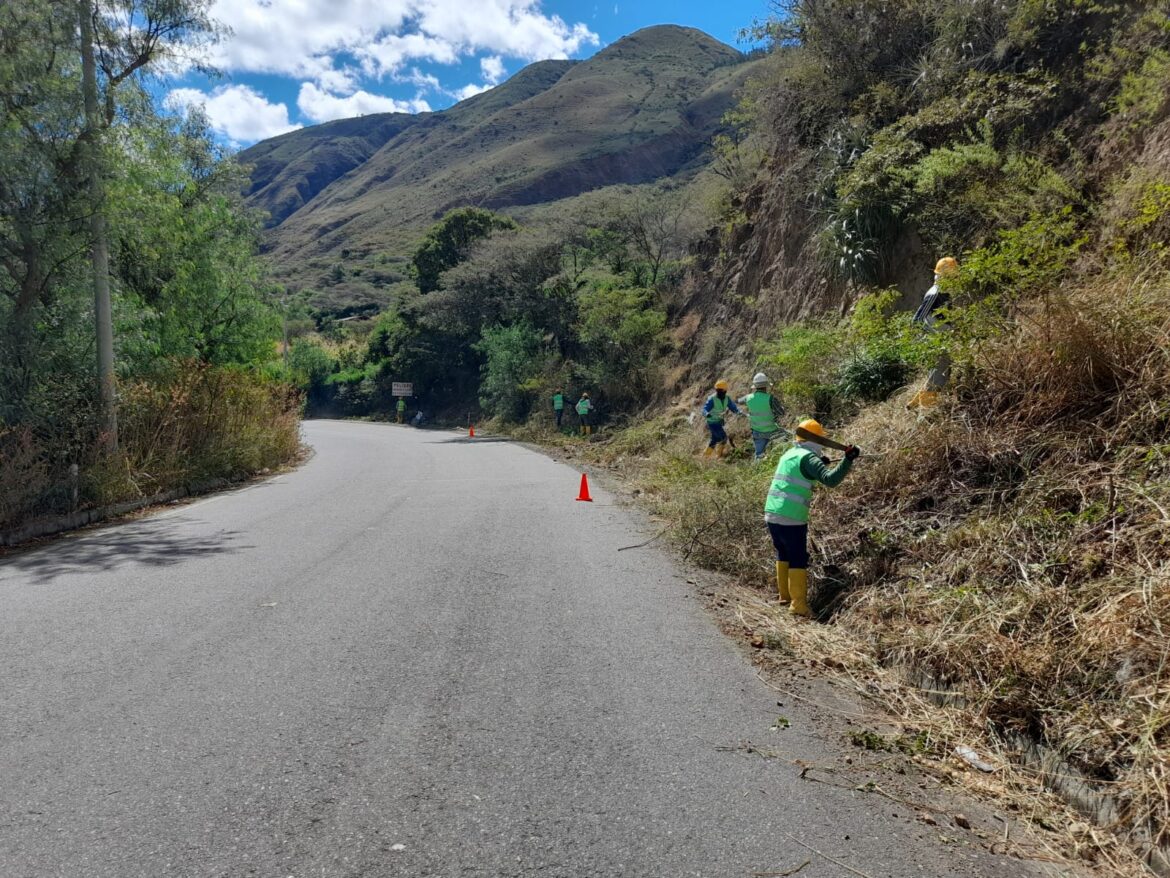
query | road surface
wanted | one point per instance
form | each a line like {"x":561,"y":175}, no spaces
{"x":413,"y":656}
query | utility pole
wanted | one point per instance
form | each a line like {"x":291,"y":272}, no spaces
{"x":103,"y":315}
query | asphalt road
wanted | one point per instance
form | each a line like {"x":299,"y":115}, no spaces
{"x":413,"y":656}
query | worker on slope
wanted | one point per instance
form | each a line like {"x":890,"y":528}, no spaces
{"x":764,"y":413}
{"x":585,"y":413}
{"x":558,"y":402}
{"x":401,"y":407}
{"x":927,"y":316}
{"x":786,"y":511}
{"x":715,"y":410}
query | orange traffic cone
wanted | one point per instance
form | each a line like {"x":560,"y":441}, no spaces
{"x":584,"y":493}
{"x":471,"y":432}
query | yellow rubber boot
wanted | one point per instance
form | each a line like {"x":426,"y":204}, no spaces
{"x":798,"y":587}
{"x":782,"y":582}
{"x":721,"y":449}
{"x":708,"y":451}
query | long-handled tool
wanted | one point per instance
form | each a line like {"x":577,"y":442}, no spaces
{"x":808,"y":436}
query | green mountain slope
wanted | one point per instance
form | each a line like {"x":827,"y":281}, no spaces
{"x":348,"y":200}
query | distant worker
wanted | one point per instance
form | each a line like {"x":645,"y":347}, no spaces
{"x":401,"y":409}
{"x":764,"y":413}
{"x":786,"y":511}
{"x":419,"y":418}
{"x":585,"y":414}
{"x":558,"y":405}
{"x":927,"y":316}
{"x":715,"y":410}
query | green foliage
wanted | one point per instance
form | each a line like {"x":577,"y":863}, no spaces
{"x":447,"y":243}
{"x":512,"y":363}
{"x":802,"y":362}
{"x":1023,"y":261}
{"x":621,"y":333}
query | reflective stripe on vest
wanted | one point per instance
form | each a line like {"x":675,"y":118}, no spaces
{"x":558,"y":401}
{"x":759,"y":406}
{"x":718,"y":409}
{"x":791,"y":492}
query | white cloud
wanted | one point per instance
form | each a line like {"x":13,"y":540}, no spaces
{"x":492,"y":68}
{"x":240,"y":113}
{"x":470,"y":91}
{"x":320,"y":106}
{"x":423,"y":81}
{"x":311,"y":40}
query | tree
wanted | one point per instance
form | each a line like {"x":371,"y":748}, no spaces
{"x":512,"y":361}
{"x":449,"y":241}
{"x":657,"y":227}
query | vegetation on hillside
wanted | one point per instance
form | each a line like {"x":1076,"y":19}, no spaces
{"x":500,"y":315}
{"x":194,"y":332}
{"x":351,"y":199}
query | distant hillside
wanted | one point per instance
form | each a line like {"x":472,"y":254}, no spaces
{"x":348,"y":199}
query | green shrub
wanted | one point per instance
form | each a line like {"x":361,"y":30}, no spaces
{"x":802,"y":361}
{"x":510,"y":374}
{"x":1023,"y":261}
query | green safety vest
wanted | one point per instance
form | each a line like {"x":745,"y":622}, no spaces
{"x":558,"y":401}
{"x":759,"y":406}
{"x":583,"y":406}
{"x":401,"y":404}
{"x":718,"y":409}
{"x":791,"y":492}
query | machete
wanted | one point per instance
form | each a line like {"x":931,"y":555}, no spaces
{"x":807,"y":436}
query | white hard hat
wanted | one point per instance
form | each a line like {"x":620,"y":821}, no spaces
{"x":760,"y":379}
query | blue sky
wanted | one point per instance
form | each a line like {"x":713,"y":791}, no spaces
{"x":292,"y":63}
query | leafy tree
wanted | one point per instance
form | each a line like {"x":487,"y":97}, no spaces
{"x":449,"y":241}
{"x":512,"y":364}
{"x":622,"y":334}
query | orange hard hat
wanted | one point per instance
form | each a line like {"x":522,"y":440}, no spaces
{"x":721,"y":385}
{"x":811,"y":426}
{"x":947,"y":265}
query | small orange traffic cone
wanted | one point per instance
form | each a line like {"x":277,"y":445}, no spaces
{"x":584,"y":493}
{"x":471,"y":432}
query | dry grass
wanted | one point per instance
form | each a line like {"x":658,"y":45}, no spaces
{"x":1014,"y":545}
{"x":187,"y":424}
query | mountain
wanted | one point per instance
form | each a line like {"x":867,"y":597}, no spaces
{"x":347,"y":200}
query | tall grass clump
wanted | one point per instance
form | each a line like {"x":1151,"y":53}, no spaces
{"x":186,"y":424}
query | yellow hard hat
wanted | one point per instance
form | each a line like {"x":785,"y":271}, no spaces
{"x":946,"y":265}
{"x":811,"y":426}
{"x":721,"y":385}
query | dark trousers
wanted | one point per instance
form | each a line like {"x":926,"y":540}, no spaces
{"x":560,"y":413}
{"x":791,"y":543}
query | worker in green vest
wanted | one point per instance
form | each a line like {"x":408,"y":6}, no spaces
{"x":585,"y":414}
{"x":786,"y":511}
{"x":558,"y":405}
{"x":401,"y":408}
{"x":764,"y":413}
{"x":715,"y":410}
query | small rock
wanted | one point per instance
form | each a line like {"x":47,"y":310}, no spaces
{"x":758,"y":641}
{"x":397,"y":847}
{"x":928,"y":819}
{"x":961,"y":821}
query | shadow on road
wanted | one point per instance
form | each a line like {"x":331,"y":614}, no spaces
{"x":152,"y":544}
